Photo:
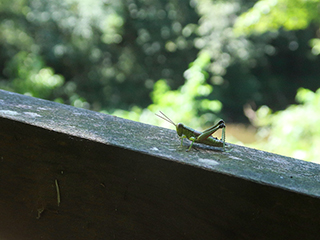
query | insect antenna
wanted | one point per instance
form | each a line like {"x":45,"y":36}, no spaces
{"x":166,"y":118}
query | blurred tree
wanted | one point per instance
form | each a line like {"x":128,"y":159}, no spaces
{"x":106,"y":55}
{"x":110,"y":53}
{"x":256,"y":69}
{"x":295,"y":131}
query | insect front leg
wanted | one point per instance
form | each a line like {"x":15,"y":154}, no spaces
{"x":182,"y":137}
{"x":192,"y":139}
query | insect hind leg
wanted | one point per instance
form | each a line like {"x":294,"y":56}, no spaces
{"x":208,"y":132}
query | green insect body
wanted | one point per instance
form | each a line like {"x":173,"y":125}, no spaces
{"x":196,"y":136}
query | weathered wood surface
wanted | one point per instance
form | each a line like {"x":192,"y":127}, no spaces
{"x":119,"y":179}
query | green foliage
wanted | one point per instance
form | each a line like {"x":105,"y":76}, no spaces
{"x":315,"y":44}
{"x":270,"y":15}
{"x":190,"y":101}
{"x":188,"y":104}
{"x":31,"y":77}
{"x":295,"y":131}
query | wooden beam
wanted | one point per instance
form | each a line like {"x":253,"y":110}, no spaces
{"x":69,"y":173}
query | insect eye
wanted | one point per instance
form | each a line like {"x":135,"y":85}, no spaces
{"x":179,"y":128}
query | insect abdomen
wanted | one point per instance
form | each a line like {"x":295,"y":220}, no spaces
{"x":212,"y":141}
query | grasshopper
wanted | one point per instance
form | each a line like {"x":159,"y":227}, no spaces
{"x":196,"y":136}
